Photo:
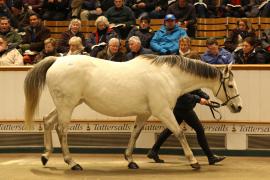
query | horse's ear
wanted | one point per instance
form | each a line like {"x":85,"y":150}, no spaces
{"x":227,"y":70}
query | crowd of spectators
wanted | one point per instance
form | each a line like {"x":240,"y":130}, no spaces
{"x":24,"y":38}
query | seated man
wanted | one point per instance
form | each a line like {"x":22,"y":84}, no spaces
{"x":165,"y":40}
{"x":136,"y":48}
{"x":186,"y":15}
{"x":141,"y":7}
{"x":35,"y":34}
{"x":121,"y":18}
{"x":231,"y":8}
{"x":55,"y":10}
{"x":216,"y":55}
{"x":13,"y":38}
{"x":143,"y":31}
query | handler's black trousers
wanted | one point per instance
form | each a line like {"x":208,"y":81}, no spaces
{"x":193,"y":121}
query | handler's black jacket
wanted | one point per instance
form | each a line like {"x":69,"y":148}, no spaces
{"x":189,"y":100}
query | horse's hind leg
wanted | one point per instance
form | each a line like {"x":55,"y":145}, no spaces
{"x":167,"y":117}
{"x":64,"y":116}
{"x":49,"y":122}
{"x":138,"y":125}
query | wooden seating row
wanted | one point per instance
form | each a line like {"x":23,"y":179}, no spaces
{"x":221,"y":27}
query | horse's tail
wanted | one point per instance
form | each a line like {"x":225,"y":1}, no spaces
{"x":33,"y":86}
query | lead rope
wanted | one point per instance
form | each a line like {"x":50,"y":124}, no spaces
{"x":213,"y":108}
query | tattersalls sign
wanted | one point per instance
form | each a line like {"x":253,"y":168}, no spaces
{"x":154,"y":127}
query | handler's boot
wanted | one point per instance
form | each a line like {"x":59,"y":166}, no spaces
{"x":154,"y":155}
{"x":215,"y":159}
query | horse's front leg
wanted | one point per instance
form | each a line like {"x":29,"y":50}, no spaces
{"x":138,"y":125}
{"x":49,"y":122}
{"x":62,"y":130}
{"x":167,"y":117}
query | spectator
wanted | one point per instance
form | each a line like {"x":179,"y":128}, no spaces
{"x":35,"y":34}
{"x":160,"y":10}
{"x":205,"y":9}
{"x":165,"y":40}
{"x":76,"y":46}
{"x":265,"y":40}
{"x":237,"y":36}
{"x":49,"y":50}
{"x":233,"y":8}
{"x":186,"y":15}
{"x":91,"y":10}
{"x":35,"y":5}
{"x":9,"y":56}
{"x":73,"y":30}
{"x":112,"y":51}
{"x":21,"y":14}
{"x":185,"y":48}
{"x":13,"y":38}
{"x":121,"y":18}
{"x":5,"y":11}
{"x":143,"y":7}
{"x":216,"y":55}
{"x":264,"y":8}
{"x":54,"y":10}
{"x":143,"y":31}
{"x":98,"y":40}
{"x":136,"y":48}
{"x":106,"y":4}
{"x":251,"y":53}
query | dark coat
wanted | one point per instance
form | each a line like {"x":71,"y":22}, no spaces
{"x":186,"y":13}
{"x":99,"y":37}
{"x":232,"y":42}
{"x":257,"y":56}
{"x":118,"y":57}
{"x":36,"y":38}
{"x":122,"y":15}
{"x":63,"y":45}
{"x":145,"y":35}
{"x":189,"y":100}
{"x":43,"y":54}
{"x":132,"y":55}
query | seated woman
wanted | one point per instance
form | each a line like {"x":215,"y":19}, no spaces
{"x":237,"y":36}
{"x":112,"y":51}
{"x":185,"y":48}
{"x":73,"y":30}
{"x":76,"y":46}
{"x":9,"y":56}
{"x":250,"y":53}
{"x":98,"y":40}
{"x":49,"y":50}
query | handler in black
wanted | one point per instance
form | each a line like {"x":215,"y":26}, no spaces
{"x":183,"y":111}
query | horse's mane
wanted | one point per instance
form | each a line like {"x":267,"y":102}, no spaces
{"x":188,"y":65}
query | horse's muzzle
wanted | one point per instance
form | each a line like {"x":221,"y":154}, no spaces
{"x":236,"y":109}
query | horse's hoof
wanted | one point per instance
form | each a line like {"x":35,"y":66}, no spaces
{"x":195,"y":166}
{"x":44,"y":160}
{"x":77,"y":167}
{"x":133,"y":165}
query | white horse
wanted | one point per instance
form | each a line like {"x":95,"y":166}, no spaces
{"x":147,"y":85}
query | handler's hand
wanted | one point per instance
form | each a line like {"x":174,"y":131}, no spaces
{"x":204,"y":101}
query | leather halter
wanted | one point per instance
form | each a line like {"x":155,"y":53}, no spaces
{"x":213,"y":105}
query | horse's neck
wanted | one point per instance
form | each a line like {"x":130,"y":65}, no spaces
{"x":191,"y":83}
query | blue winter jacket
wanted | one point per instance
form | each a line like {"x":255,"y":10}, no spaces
{"x":224,"y":57}
{"x":166,"y":42}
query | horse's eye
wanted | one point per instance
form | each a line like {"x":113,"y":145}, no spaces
{"x":230,"y":86}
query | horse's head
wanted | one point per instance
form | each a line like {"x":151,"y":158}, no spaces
{"x":227,"y":91}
